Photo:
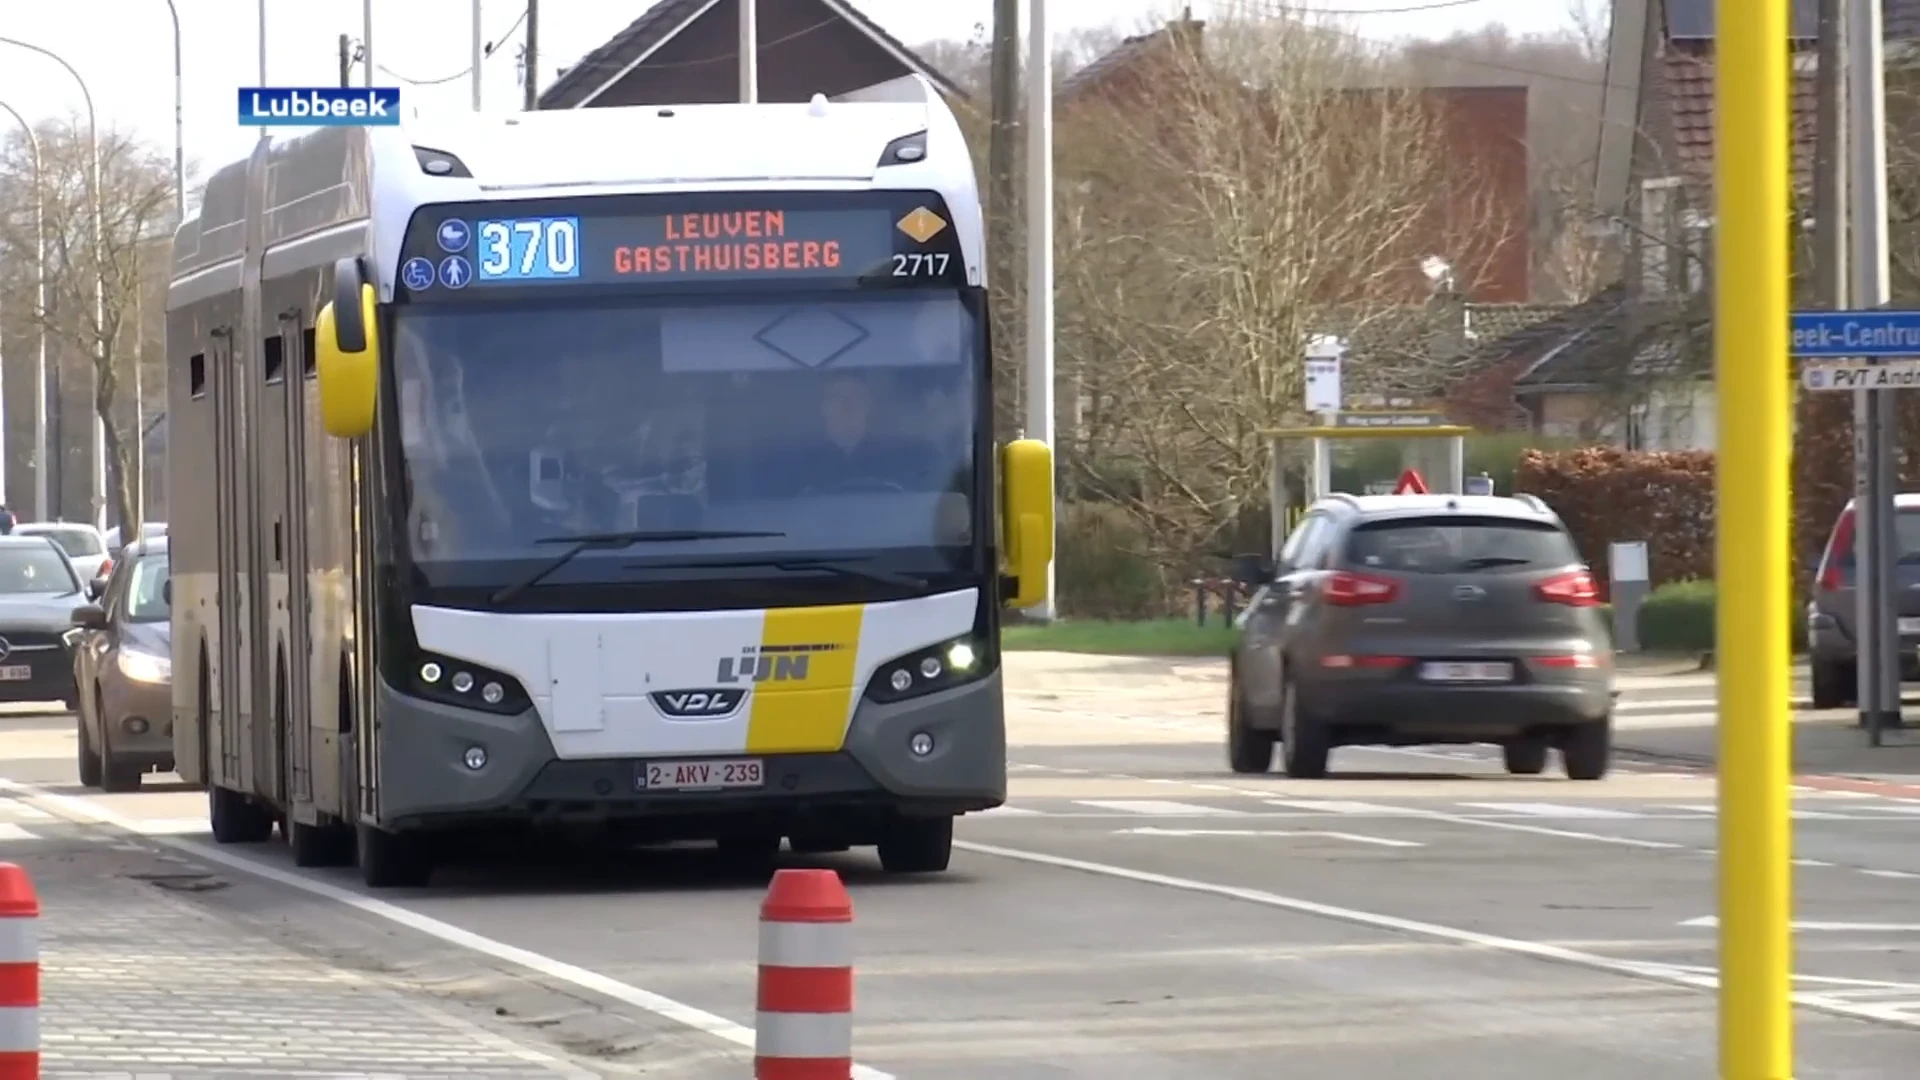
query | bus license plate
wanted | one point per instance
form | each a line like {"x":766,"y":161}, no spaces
{"x":16,"y":673}
{"x":701,"y":775}
{"x":1467,"y":673}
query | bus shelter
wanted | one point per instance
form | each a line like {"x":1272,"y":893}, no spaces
{"x":1284,"y":443}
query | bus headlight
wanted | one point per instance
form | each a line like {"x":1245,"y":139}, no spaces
{"x":468,"y":685}
{"x":145,"y":667}
{"x":940,"y":667}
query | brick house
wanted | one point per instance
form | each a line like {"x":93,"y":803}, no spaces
{"x":1647,"y":382}
{"x":685,"y":52}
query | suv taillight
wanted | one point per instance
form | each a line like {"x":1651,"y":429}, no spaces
{"x":1574,"y":588}
{"x":1348,"y":589}
{"x":1839,"y":546}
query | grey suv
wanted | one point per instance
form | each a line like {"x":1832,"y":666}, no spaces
{"x":1830,"y":610}
{"x":1399,"y":620}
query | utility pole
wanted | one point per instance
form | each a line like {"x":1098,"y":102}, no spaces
{"x":1878,"y":641}
{"x":1003,"y":237}
{"x":749,"y":50}
{"x":531,"y":91}
{"x":1830,"y":159}
{"x":366,"y":42}
{"x":478,"y":45}
{"x":1039,"y":400}
{"x":346,"y":61}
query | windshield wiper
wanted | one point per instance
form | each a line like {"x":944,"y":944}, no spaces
{"x":1486,"y":561}
{"x":614,"y":541}
{"x":844,"y":567}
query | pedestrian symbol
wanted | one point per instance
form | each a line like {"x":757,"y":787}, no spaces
{"x":453,"y":236}
{"x":417,"y":274}
{"x":455,"y":272}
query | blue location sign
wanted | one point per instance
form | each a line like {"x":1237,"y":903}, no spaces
{"x":1842,"y":335}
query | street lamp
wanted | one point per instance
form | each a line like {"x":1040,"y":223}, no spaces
{"x":180,"y":218}
{"x":42,"y":507}
{"x":99,"y":281}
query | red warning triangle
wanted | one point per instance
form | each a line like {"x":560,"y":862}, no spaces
{"x":1410,"y":484}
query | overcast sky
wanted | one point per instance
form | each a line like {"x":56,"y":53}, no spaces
{"x":123,"y":48}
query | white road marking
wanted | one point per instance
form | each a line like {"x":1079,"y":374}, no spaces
{"x":1551,"y":810}
{"x":15,"y":832}
{"x":1818,"y":925}
{"x":1151,"y":830}
{"x":1337,"y":806}
{"x":1900,"y":874}
{"x":1635,"y":969}
{"x":1158,"y":808}
{"x":1008,"y":811}
{"x":592,"y":981}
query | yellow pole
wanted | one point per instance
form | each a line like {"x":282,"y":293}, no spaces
{"x":1751,"y":369}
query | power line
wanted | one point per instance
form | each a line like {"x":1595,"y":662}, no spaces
{"x":466,"y":71}
{"x":1429,"y":5}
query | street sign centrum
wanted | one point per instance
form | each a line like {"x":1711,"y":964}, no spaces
{"x":1855,"y":335}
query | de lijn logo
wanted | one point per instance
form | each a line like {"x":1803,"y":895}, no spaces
{"x":319,"y":106}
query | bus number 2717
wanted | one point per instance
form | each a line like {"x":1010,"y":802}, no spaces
{"x":920,"y":264}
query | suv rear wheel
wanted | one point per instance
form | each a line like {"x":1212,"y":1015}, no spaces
{"x":1249,"y":749}
{"x":1303,"y":743}
{"x":1587,"y":750}
{"x":1526,"y":756}
{"x":1834,"y":684}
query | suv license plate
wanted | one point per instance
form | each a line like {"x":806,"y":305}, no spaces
{"x":1910,"y":625}
{"x":1451,"y":672}
{"x":700,"y":775}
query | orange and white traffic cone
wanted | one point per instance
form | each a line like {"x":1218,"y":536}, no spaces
{"x":19,"y":975}
{"x":803,"y":1027}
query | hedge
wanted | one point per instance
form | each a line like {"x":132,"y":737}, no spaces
{"x":1606,"y":495}
{"x":1677,"y":617}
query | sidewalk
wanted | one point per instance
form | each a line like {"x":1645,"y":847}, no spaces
{"x":1822,"y":746}
{"x":137,"y":982}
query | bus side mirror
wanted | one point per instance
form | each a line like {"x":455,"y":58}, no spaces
{"x":1026,"y":519}
{"x":346,"y":339}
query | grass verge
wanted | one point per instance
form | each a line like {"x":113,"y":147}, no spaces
{"x":1157,"y":637}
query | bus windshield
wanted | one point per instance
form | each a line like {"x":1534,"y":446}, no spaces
{"x":840,"y":423}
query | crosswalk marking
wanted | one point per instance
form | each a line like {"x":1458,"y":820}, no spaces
{"x":1158,"y":808}
{"x":1551,"y":810}
{"x":1337,"y":806}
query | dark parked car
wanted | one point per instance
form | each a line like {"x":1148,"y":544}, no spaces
{"x":38,"y":588}
{"x":123,"y":664}
{"x":1398,"y":620}
{"x":1832,"y":652}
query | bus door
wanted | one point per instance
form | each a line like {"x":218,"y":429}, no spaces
{"x":297,"y":721}
{"x":234,"y":506}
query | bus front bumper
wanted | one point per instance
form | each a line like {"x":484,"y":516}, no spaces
{"x":426,"y":781}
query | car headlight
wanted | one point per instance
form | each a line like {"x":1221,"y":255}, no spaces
{"x":939,"y":667}
{"x":145,"y":667}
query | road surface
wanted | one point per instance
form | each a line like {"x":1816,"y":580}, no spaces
{"x":1136,"y":912}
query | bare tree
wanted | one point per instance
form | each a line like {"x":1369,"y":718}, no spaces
{"x":1237,"y":203}
{"x":136,"y":208}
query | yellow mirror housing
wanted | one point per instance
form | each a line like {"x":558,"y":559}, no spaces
{"x":1026,"y":519}
{"x":349,"y":378}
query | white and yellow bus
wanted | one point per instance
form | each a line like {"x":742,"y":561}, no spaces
{"x":626,"y":468}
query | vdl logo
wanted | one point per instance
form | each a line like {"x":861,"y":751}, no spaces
{"x":319,"y":106}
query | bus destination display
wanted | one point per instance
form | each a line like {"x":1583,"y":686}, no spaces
{"x":866,"y":245}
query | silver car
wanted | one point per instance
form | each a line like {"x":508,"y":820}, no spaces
{"x":83,"y":543}
{"x":1398,"y":620}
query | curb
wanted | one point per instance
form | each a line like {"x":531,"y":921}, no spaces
{"x":1819,"y":781}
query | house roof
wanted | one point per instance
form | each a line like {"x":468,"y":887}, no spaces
{"x":605,"y":66}
{"x":1608,"y":339}
{"x":1688,"y":60}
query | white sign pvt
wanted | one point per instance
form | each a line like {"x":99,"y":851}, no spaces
{"x":1322,"y":373}
{"x":1858,"y":375}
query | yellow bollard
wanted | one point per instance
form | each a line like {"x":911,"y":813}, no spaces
{"x":1751,"y":367}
